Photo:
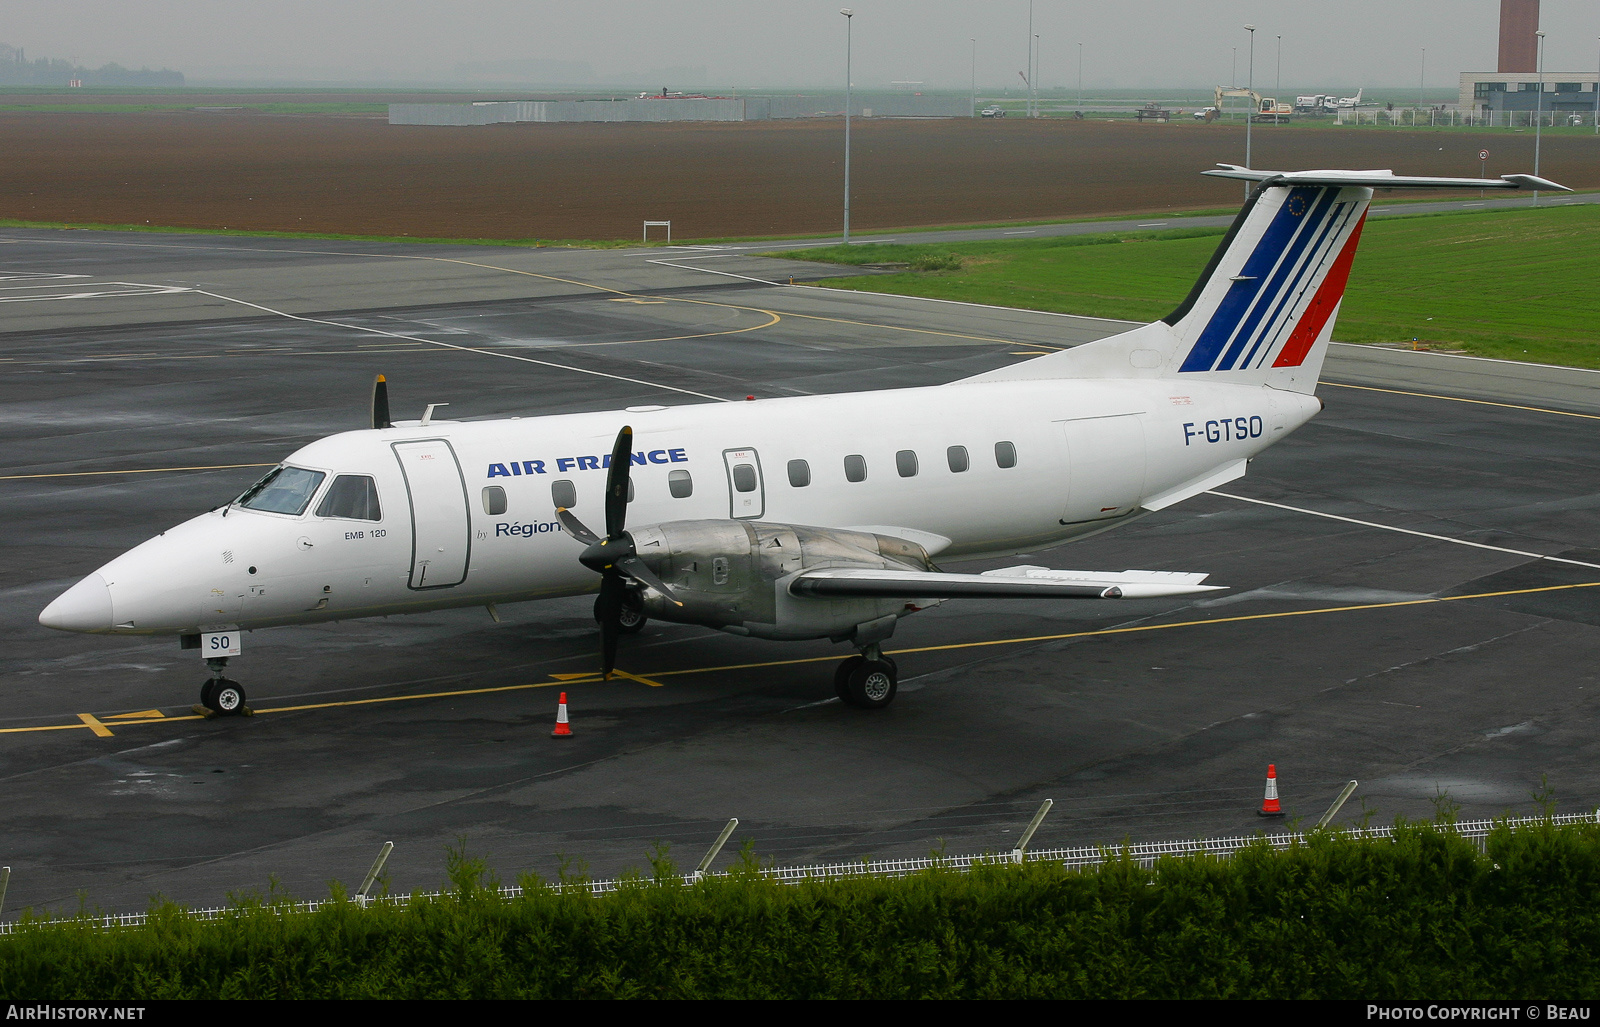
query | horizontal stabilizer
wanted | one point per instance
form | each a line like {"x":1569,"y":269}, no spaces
{"x":1382,"y":179}
{"x":1006,"y":583}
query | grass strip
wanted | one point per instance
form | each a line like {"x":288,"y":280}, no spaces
{"x":1511,"y":284}
{"x":1425,"y":914}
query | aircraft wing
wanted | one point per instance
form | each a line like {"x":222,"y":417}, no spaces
{"x":1004,"y":583}
{"x":1382,"y":179}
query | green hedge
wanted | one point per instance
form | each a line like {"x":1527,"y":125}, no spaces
{"x":1425,"y":915}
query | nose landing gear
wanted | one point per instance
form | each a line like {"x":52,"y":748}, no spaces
{"x":868,"y":681}
{"x":220,"y":696}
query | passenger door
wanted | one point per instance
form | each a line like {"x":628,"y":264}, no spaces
{"x":747,"y":493}
{"x":441,"y":530}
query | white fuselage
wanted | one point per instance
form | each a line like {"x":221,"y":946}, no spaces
{"x":1087,"y":454}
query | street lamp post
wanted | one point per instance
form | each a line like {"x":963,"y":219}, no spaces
{"x":849,"y":20}
{"x":974,"y":97}
{"x":1422,"y":78}
{"x":1249,"y":119}
{"x":1033,"y":80}
{"x":1080,"y":88}
{"x":1029,"y":76}
{"x":1278,"y":89}
{"x":1538,"y":116}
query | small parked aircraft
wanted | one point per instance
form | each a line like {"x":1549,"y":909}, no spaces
{"x":801,"y":518}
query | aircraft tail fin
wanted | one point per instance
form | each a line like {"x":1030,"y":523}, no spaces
{"x":1263,"y":310}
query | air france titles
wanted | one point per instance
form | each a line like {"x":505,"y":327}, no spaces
{"x":563,"y":464}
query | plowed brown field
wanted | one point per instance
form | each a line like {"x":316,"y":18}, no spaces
{"x":599,"y":181}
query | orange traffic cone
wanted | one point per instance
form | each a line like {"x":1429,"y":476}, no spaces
{"x":1269,"y":805}
{"x":564,"y":730}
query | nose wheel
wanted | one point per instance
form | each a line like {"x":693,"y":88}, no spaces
{"x":867,"y":682}
{"x":222,"y":695}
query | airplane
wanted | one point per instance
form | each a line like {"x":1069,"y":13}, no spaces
{"x":814,"y":517}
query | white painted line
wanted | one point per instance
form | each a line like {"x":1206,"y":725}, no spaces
{"x":133,"y":289}
{"x":1404,"y":531}
{"x":1473,"y":204}
{"x":464,"y":349}
{"x":725,"y":274}
{"x":35,"y":276}
{"x":1025,"y":231}
{"x":1153,"y":224}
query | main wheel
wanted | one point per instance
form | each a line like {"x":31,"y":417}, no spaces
{"x":227,"y":697}
{"x":632,"y":619}
{"x":871,"y":684}
{"x":841,"y":677}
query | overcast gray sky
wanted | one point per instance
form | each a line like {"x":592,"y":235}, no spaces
{"x":777,"y":43}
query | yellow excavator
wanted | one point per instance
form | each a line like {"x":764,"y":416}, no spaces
{"x":1265,"y":109}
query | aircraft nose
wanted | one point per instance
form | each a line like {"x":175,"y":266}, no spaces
{"x":85,"y":606}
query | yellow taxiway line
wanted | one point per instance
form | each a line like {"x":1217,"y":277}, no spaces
{"x":1463,"y":399}
{"x":100,"y":726}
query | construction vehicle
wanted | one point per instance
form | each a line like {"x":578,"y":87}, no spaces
{"x":1265,"y":108}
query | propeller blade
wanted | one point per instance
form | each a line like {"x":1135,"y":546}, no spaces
{"x":639,"y":571}
{"x":574,"y":527}
{"x":608,"y":611}
{"x":617,"y":483}
{"x":380,"y":403}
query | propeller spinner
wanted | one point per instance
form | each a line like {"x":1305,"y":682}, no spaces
{"x":613,"y":557}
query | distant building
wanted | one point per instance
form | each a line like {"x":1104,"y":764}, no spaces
{"x":1566,"y":91}
{"x":1516,"y":85}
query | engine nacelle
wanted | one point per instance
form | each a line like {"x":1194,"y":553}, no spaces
{"x":733,"y":575}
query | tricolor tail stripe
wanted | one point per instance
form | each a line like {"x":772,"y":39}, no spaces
{"x":1323,"y":304}
{"x":1293,"y":255}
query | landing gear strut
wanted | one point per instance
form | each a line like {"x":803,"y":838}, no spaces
{"x":868,"y":681}
{"x":219,"y":694}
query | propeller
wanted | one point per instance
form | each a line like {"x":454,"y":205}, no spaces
{"x":380,"y":403}
{"x":613,"y":557}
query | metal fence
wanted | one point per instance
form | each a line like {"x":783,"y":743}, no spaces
{"x":1456,"y":117}
{"x":1143,"y":853}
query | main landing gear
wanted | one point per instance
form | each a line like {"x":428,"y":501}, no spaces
{"x":219,"y":694}
{"x":632,"y":618}
{"x":868,"y":681}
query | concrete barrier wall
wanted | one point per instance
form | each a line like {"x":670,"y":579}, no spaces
{"x":755,"y":108}
{"x":636,"y":110}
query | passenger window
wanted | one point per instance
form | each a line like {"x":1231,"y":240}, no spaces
{"x":1005,"y":454}
{"x":352,"y":496}
{"x":799,"y":473}
{"x":494,"y":500}
{"x":680,"y":484}
{"x":855,"y":467}
{"x":957,"y":457}
{"x":905,"y":462}
{"x":564,"y":494}
{"x":744,"y":477}
{"x":285,"y":490}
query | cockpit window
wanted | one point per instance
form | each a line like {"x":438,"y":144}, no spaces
{"x":286,"y":490}
{"x":354,"y":496}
